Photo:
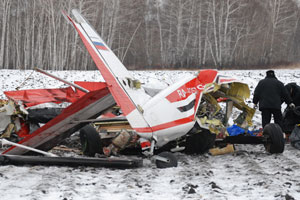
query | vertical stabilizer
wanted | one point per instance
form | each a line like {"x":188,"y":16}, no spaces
{"x":126,"y":91}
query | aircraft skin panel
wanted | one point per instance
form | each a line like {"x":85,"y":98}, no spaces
{"x":167,"y":91}
{"x":115,"y":86}
{"x":133,"y":118}
{"x":115,"y":65}
{"x":159,"y":110}
{"x":167,"y":125}
{"x":174,"y":132}
{"x":192,"y":97}
{"x":112,"y":63}
{"x":165,"y":135}
{"x":165,"y":108}
{"x":165,"y":112}
{"x":111,"y":60}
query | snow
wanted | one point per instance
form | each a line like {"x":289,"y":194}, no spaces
{"x":249,"y":173}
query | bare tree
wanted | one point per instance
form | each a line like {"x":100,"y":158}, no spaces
{"x":151,"y":33}
{"x":5,"y":10}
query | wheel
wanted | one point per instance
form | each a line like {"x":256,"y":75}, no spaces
{"x":90,"y":141}
{"x":172,"y":160}
{"x":275,"y":140}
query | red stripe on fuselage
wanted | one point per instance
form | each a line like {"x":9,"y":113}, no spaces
{"x":184,"y":91}
{"x":193,"y":86}
{"x":114,"y":87}
{"x":165,"y":125}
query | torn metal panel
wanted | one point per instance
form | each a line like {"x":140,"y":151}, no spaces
{"x":89,"y":106}
{"x":237,"y":90}
{"x":215,"y":117}
{"x":32,"y":97}
{"x":12,"y":116}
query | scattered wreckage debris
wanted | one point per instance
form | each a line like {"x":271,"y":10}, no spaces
{"x":229,"y":148}
{"x":58,"y":125}
{"x":52,"y":159}
{"x":188,"y":108}
{"x":12,"y":120}
{"x":194,"y":115}
{"x":70,"y":161}
{"x":50,"y":134}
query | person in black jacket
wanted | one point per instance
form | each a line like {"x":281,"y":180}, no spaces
{"x":294,"y":91}
{"x":270,"y":93}
{"x":291,"y":116}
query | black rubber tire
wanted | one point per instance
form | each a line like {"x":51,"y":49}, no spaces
{"x":90,"y":141}
{"x":275,"y":140}
{"x":170,"y":156}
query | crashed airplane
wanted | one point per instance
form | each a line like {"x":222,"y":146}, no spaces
{"x":192,"y":114}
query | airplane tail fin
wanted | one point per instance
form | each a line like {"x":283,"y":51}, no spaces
{"x":126,"y":91}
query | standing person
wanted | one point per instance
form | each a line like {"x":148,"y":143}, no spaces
{"x":270,"y":93}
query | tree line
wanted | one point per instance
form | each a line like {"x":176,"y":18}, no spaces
{"x":147,"y":34}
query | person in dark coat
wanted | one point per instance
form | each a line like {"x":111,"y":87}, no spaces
{"x":269,"y":94}
{"x":291,"y":116}
{"x":294,"y":91}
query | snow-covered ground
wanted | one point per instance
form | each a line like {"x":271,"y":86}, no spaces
{"x":249,"y":173}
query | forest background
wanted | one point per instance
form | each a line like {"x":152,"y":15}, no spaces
{"x":152,"y":34}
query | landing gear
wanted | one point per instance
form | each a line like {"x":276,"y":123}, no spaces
{"x":162,"y":160}
{"x":272,"y":138}
{"x":275,"y":140}
{"x":90,"y":141}
{"x":91,"y":144}
{"x":168,"y":160}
